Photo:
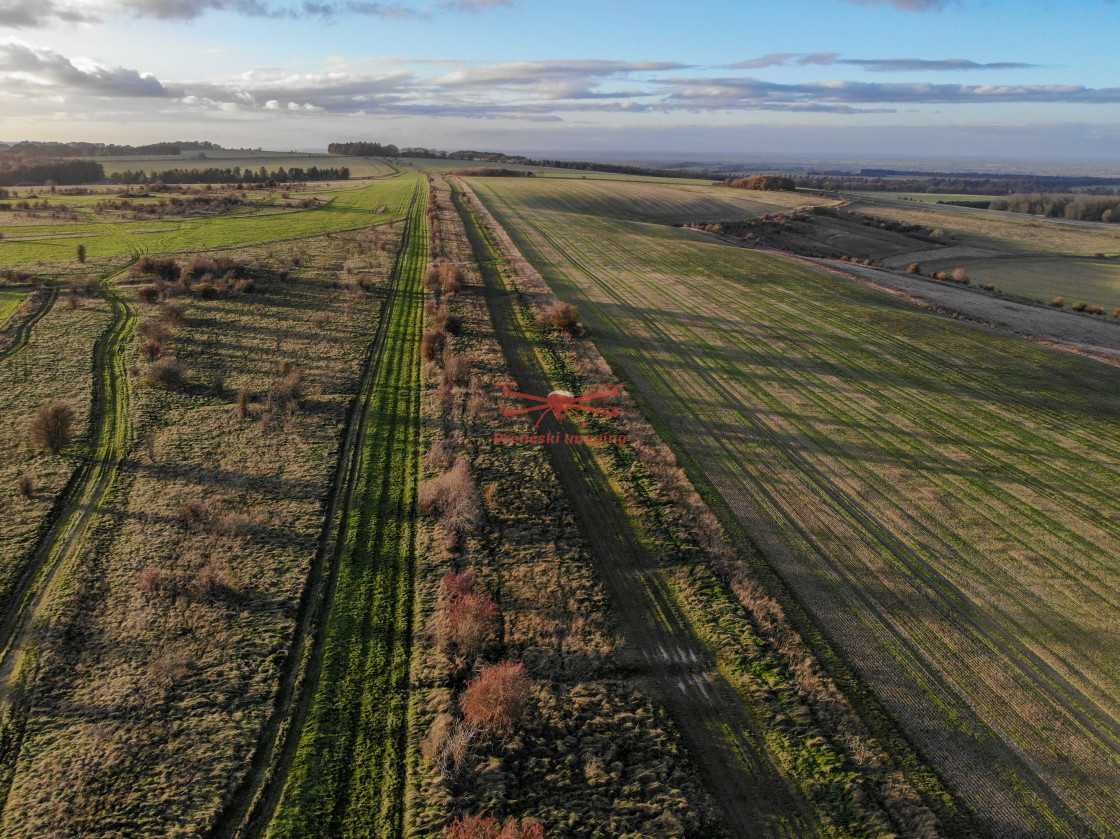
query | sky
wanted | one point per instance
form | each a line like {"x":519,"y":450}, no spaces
{"x":829,"y":79}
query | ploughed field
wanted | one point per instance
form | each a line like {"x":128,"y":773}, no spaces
{"x":941,"y":498}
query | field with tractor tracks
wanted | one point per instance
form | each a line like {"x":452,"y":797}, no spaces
{"x":939,"y":498}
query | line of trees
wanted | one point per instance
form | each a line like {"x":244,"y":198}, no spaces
{"x":63,"y":172}
{"x":770,"y":182}
{"x":27,"y":148}
{"x":234,"y":175}
{"x":1078,"y":207}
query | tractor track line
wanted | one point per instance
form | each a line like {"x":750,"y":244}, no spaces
{"x":22,"y":333}
{"x":251,"y":805}
{"x":78,"y":503}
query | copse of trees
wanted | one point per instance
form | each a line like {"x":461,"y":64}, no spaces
{"x":768,"y":182}
{"x":1068,"y":206}
{"x":234,"y":175}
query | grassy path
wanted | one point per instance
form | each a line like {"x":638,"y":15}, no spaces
{"x":936,"y":496}
{"x":22,"y":331}
{"x":331,"y":761}
{"x":76,"y":507}
{"x":722,"y":737}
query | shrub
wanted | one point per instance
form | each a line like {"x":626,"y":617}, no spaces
{"x":166,"y":374}
{"x":174,"y":313}
{"x":960,"y":275}
{"x":25,"y":485}
{"x":913,"y":268}
{"x":1058,"y":301}
{"x":1094,"y":310}
{"x":559,"y":316}
{"x":1116,"y":313}
{"x":52,"y":428}
{"x":468,"y":623}
{"x":455,"y":370}
{"x":441,"y":455}
{"x":495,"y":699}
{"x":990,"y":286}
{"x":1079,"y":306}
{"x":450,"y":277}
{"x":242,"y":403}
{"x":151,"y":350}
{"x":147,"y":294}
{"x":941,"y":275}
{"x":158,"y":582}
{"x":432,"y":344}
{"x":205,"y":291}
{"x":431,"y":278}
{"x":453,"y":498}
{"x":155,"y":331}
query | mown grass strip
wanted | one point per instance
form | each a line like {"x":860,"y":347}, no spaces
{"x":348,"y":775}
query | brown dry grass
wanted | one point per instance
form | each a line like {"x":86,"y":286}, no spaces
{"x":163,"y":650}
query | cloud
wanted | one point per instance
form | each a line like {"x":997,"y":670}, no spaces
{"x":20,"y":14}
{"x":39,"y":68}
{"x":746,"y":93}
{"x":878,"y":65}
{"x":38,"y":13}
{"x":914,"y":65}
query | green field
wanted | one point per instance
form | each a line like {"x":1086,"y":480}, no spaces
{"x":1093,"y":281}
{"x":348,"y":210}
{"x":10,"y":298}
{"x":928,"y":197}
{"x":939,"y":497}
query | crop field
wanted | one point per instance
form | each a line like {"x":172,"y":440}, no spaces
{"x":666,"y":203}
{"x":941,"y":499}
{"x":348,"y":210}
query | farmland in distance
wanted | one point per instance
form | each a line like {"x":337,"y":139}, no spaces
{"x":940,"y":498}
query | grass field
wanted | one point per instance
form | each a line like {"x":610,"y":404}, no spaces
{"x":10,"y":298}
{"x":1004,"y":230}
{"x":930,"y":197}
{"x":937,"y":496}
{"x":348,"y":210}
{"x":360,"y":167}
{"x":1093,"y":281}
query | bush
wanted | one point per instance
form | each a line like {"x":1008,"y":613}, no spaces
{"x":913,"y":268}
{"x":151,"y":350}
{"x":455,"y":370}
{"x":468,"y":623}
{"x":166,"y":374}
{"x":155,"y":331}
{"x":1058,"y":301}
{"x":25,"y":485}
{"x":147,"y":294}
{"x":559,"y":316}
{"x":432,"y":344}
{"x":174,"y":313}
{"x":960,"y":276}
{"x":495,"y":699}
{"x":453,"y":498}
{"x":1116,"y":313}
{"x":990,"y":286}
{"x":52,"y":428}
{"x":1094,"y":310}
{"x":205,"y":291}
{"x":1079,"y":306}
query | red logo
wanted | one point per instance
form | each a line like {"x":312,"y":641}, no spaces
{"x":560,"y":403}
